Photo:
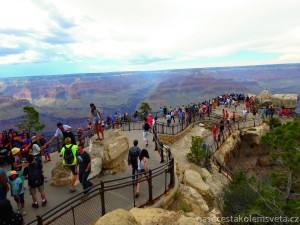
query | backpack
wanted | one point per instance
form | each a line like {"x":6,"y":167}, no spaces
{"x":68,"y":155}
{"x":146,"y":126}
{"x":35,"y":177}
{"x":134,"y":153}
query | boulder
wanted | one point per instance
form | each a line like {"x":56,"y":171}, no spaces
{"x":154,"y":216}
{"x":192,"y":199}
{"x":288,"y":100}
{"x":253,"y":134}
{"x":194,"y":180}
{"x":112,"y":151}
{"x":60,"y":175}
{"x":96,"y":167}
{"x":118,"y":216}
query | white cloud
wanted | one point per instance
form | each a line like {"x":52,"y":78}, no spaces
{"x":122,"y":31}
{"x":26,"y":57}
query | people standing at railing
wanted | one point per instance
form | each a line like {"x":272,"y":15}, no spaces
{"x":132,"y":159}
{"x":165,"y":111}
{"x":244,"y":113}
{"x":142,"y":169}
{"x":69,"y":155}
{"x":215,"y":132}
{"x":62,"y":132}
{"x":96,"y":118}
{"x":146,"y":132}
{"x":84,"y":162}
{"x":168,"y":117}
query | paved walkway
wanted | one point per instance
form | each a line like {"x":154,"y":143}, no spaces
{"x":56,"y":195}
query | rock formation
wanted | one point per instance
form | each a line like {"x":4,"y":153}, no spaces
{"x":60,"y":175}
{"x":288,"y":100}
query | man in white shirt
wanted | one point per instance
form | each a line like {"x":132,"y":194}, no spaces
{"x":62,"y":132}
{"x":245,"y":112}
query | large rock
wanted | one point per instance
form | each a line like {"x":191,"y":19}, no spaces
{"x":253,"y":134}
{"x":193,"y":179}
{"x":60,"y":175}
{"x":118,"y":216}
{"x":155,"y":216}
{"x":191,"y":198}
{"x":228,"y":148}
{"x":288,"y":100}
{"x":113,"y":150}
{"x":96,"y":167}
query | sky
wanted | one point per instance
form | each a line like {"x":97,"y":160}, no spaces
{"x":40,"y":37}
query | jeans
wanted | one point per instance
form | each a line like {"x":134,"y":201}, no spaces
{"x":134,"y":172}
{"x":83,"y":179}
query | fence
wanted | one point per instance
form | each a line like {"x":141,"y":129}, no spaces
{"x":110,"y":195}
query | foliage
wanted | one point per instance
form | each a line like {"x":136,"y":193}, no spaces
{"x":30,"y":120}
{"x":145,"y":107}
{"x":238,"y":196}
{"x":273,"y":122}
{"x":284,"y":145}
{"x":177,"y":195}
{"x":185,"y":208}
{"x":198,"y":154}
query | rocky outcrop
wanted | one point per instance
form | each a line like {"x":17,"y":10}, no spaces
{"x":191,"y":198}
{"x":194,"y":180}
{"x":60,"y":175}
{"x":288,"y":100}
{"x":253,"y":134}
{"x":118,"y":216}
{"x":228,"y":148}
{"x":111,"y":152}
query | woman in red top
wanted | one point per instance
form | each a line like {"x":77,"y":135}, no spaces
{"x":215,"y":131}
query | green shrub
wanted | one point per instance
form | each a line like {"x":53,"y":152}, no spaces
{"x":197,"y":153}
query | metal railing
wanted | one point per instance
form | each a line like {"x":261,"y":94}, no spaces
{"x":110,"y":195}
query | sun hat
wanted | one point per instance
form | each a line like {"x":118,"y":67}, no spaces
{"x":34,"y":138}
{"x":15,"y":151}
{"x":13,"y":172}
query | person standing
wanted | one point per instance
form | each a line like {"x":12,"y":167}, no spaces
{"x":84,"y":162}
{"x":142,"y":169}
{"x":46,"y":153}
{"x":245,"y":113}
{"x":69,"y":154}
{"x":215,"y":132}
{"x":62,"y":132}
{"x":17,"y":190}
{"x":132,"y":159}
{"x":34,"y":173}
{"x":146,"y":130}
{"x":96,"y":116}
{"x":4,"y":188}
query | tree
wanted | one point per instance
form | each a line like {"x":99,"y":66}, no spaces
{"x":197,"y":152}
{"x":30,"y":120}
{"x":284,"y":147}
{"x":145,"y":107}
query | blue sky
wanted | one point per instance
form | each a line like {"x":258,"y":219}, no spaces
{"x":39,"y":37}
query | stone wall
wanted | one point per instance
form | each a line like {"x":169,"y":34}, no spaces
{"x":170,"y":139}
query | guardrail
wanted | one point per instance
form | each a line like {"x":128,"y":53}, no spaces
{"x":110,"y":195}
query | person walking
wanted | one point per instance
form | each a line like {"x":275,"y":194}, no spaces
{"x":62,"y":132}
{"x":34,"y":173}
{"x":69,"y":154}
{"x":133,"y":154}
{"x":96,"y":117}
{"x":142,"y":169}
{"x":46,"y":152}
{"x":146,"y":132}
{"x":84,"y":162}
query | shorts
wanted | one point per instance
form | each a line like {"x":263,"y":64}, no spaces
{"x":96,"y":120}
{"x":141,"y":171}
{"x":72,"y":168}
{"x":146,"y":135}
{"x":33,"y":190}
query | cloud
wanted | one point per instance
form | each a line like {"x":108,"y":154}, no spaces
{"x":25,"y":57}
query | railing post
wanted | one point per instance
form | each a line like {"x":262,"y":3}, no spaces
{"x":39,"y":220}
{"x":173,"y":129}
{"x":73,"y":215}
{"x":102,"y":198}
{"x":166,"y":178}
{"x":150,"y":200}
{"x":129,"y":125}
{"x":161,"y":146}
{"x":172,"y":173}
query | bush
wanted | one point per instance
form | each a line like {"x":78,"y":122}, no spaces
{"x":197,"y":153}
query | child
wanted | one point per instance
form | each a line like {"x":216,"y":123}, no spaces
{"x":17,"y":190}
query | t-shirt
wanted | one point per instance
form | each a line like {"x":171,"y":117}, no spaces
{"x":36,"y":149}
{"x":74,"y":151}
{"x":59,"y":133}
{"x":83,"y":159}
{"x":15,"y":186}
{"x":95,"y":113}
